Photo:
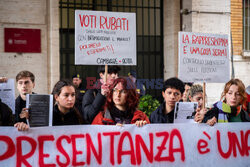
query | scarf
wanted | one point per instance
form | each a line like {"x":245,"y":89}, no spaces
{"x":225,"y":110}
{"x":123,"y":117}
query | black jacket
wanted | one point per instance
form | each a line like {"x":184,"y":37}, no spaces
{"x":69,"y":118}
{"x":20,"y":104}
{"x":214,"y":112}
{"x":158,"y":115}
{"x":93,"y":102}
{"x":5,"y":115}
{"x":79,"y":96}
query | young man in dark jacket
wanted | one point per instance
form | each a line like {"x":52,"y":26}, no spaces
{"x":25,"y":83}
{"x":95,"y":98}
{"x":172,"y":92}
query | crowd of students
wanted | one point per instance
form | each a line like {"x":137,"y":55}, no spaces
{"x":114,"y":101}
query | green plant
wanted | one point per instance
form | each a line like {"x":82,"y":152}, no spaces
{"x":147,"y":104}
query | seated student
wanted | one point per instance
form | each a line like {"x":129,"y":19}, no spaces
{"x":64,"y":111}
{"x":25,"y":83}
{"x":5,"y":111}
{"x":121,"y":106}
{"x":230,"y":108}
{"x":173,"y":89}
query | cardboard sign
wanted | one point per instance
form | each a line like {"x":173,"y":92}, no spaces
{"x":203,"y":57}
{"x":105,"y":38}
{"x":22,"y":40}
{"x":225,"y":144}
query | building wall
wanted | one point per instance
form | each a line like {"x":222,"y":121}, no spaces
{"x":241,"y":63}
{"x":220,"y":17}
{"x":32,"y":14}
{"x":236,"y":26}
{"x":171,"y":24}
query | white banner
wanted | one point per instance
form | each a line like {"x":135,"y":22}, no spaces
{"x":203,"y":57}
{"x":225,"y":144}
{"x":105,"y":38}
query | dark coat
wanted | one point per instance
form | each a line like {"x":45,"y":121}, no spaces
{"x":5,"y":115}
{"x":93,"y":102}
{"x":158,"y":116}
{"x":20,"y":104}
{"x":69,"y":118}
{"x":79,"y":96}
{"x":214,"y":112}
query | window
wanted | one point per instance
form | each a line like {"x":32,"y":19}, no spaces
{"x":246,"y":25}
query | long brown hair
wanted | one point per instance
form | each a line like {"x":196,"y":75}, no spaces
{"x":57,"y":91}
{"x":241,"y":89}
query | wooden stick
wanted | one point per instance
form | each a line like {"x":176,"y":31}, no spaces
{"x":105,"y":73}
{"x":204,"y":95}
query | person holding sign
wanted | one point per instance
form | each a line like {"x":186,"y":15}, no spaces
{"x":230,"y":108}
{"x":172,"y":92}
{"x":121,"y":106}
{"x":95,"y":98}
{"x":65,"y":112}
{"x":195,"y":94}
{"x":25,"y":85}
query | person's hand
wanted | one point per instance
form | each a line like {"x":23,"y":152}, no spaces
{"x":105,"y":88}
{"x":3,"y":79}
{"x":21,"y":126}
{"x":119,"y":124}
{"x":24,"y":113}
{"x":140,"y":123}
{"x":199,"y":116}
{"x":212,"y":121}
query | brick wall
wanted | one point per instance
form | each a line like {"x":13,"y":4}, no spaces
{"x":236,"y":26}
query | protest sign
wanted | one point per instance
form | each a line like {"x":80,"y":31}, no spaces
{"x":7,"y":94}
{"x":203,"y":57}
{"x":225,"y":144}
{"x":183,"y":112}
{"x":40,"y":109}
{"x":105,"y":38}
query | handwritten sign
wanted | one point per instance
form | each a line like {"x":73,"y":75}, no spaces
{"x":203,"y":57}
{"x":151,"y":145}
{"x":105,"y":38}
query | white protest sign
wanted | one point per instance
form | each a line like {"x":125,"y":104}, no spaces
{"x":203,"y":57}
{"x":225,"y":144}
{"x":7,"y":94}
{"x":105,"y":38}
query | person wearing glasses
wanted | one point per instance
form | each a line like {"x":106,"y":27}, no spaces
{"x":121,"y":106}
